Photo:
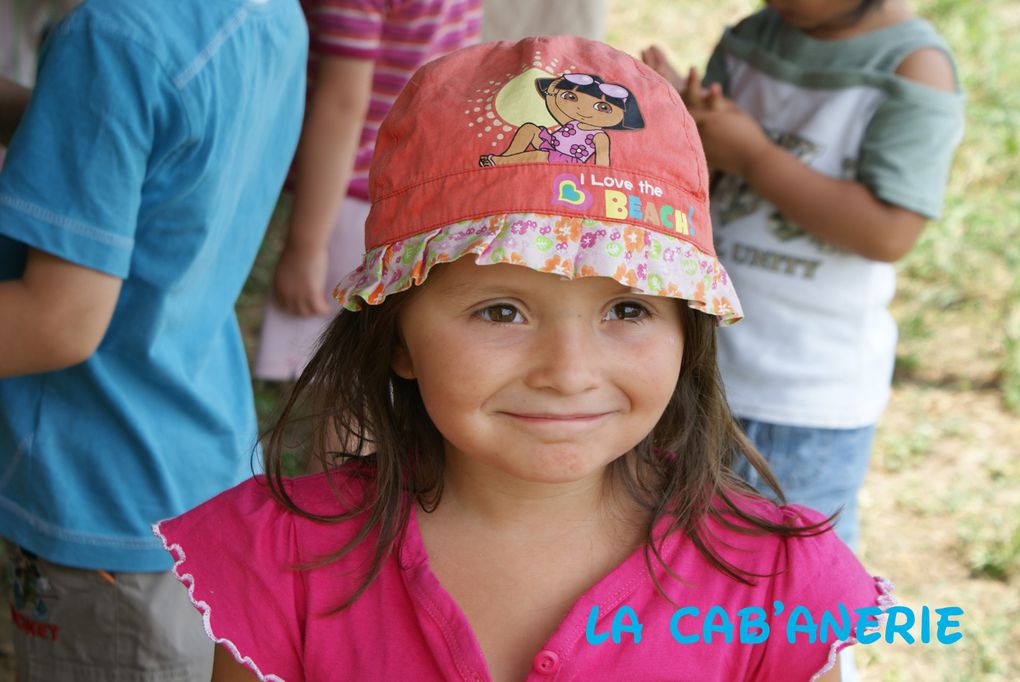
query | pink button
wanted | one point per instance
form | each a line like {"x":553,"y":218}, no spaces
{"x":546,"y":663}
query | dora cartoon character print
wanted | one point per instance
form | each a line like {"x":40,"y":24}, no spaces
{"x":585,"y":107}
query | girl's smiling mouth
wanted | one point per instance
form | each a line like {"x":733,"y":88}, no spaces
{"x":551,"y":423}
{"x":553,"y":417}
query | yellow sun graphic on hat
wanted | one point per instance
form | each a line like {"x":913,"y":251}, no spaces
{"x":517,"y":104}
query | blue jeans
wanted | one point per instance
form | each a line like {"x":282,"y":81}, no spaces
{"x":818,"y":468}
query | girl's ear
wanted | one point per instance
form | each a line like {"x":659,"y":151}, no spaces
{"x":401,"y":361}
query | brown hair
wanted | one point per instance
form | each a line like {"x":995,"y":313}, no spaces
{"x":684,"y":463}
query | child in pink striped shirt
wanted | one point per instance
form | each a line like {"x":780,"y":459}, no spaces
{"x":362,"y":53}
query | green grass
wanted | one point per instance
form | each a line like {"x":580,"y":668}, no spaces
{"x":1011,"y":347}
{"x":964,"y":268}
{"x":993,"y":551}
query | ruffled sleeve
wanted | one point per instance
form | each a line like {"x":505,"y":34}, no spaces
{"x":821,"y":585}
{"x":237,"y":555}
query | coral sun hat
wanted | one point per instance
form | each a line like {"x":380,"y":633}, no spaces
{"x":557,"y":153}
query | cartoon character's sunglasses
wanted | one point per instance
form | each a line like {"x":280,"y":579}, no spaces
{"x":611,"y":89}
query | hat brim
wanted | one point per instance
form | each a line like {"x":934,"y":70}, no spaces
{"x":646,"y":260}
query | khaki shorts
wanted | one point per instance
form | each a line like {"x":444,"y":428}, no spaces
{"x":81,"y":625}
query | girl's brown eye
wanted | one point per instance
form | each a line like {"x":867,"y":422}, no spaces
{"x":503,"y":314}
{"x":603,"y":107}
{"x":569,"y":96}
{"x":627,"y":311}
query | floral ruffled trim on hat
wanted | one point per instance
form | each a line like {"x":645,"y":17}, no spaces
{"x":651,"y":262}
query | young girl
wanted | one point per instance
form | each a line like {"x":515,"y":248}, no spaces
{"x":533,"y":359}
{"x":362,"y":52}
{"x":832,"y":124}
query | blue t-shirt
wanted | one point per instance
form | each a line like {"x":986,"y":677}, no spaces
{"x":153,"y":149}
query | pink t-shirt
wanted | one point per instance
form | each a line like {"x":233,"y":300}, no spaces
{"x":237,"y":553}
{"x":398,"y":36}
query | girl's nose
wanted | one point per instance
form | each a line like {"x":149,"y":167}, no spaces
{"x":565,"y":357}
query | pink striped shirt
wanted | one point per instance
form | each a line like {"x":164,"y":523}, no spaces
{"x":398,"y":36}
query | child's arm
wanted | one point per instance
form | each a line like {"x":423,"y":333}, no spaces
{"x":227,"y":669}
{"x":13,"y":102}
{"x":841,"y":212}
{"x":324,"y":161}
{"x":54,"y":316}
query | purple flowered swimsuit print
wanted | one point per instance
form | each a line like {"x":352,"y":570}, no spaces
{"x":568,"y":143}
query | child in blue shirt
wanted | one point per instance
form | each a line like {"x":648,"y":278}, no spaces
{"x":133,"y":199}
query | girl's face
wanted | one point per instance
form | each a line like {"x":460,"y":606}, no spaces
{"x":532,"y":376}
{"x":816,"y":15}
{"x":573,"y":105}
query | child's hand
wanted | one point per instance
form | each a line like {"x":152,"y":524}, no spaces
{"x":689,"y":87}
{"x":654,"y":57}
{"x":691,"y":91}
{"x":712,"y":97}
{"x":299,"y":282}
{"x":733,"y":141}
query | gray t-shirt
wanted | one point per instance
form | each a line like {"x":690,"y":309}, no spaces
{"x":816,"y":348}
